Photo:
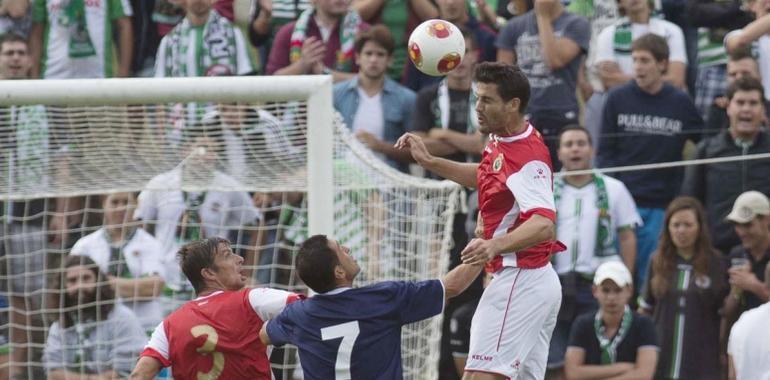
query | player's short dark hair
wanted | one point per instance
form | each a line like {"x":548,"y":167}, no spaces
{"x":745,"y":84}
{"x":653,"y":43}
{"x":197,"y":255}
{"x":510,"y":80}
{"x":574,"y":127}
{"x":12,"y":37}
{"x":379,"y":34}
{"x":316,"y":262}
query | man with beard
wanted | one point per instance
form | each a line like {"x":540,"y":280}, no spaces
{"x":92,"y":334}
{"x":191,"y":202}
{"x":375,"y":107}
{"x":129,"y":255}
{"x":217,"y":334}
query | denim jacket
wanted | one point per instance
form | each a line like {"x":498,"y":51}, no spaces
{"x":397,"y":107}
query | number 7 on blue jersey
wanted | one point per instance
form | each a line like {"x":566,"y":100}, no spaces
{"x":348,"y":332}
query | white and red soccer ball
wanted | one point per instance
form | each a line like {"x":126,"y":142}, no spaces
{"x":436,"y":47}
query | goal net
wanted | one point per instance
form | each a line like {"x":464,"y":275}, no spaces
{"x":125,"y":171}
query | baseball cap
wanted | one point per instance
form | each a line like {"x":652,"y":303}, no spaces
{"x":615,"y":271}
{"x":747,"y":206}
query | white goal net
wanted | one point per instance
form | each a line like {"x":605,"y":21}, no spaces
{"x":125,"y":171}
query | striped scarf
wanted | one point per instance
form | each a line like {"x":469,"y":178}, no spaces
{"x":215,"y":48}
{"x":605,"y":236}
{"x":351,"y":24}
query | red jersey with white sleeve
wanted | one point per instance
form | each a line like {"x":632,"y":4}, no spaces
{"x":217,"y":336}
{"x":515,"y":181}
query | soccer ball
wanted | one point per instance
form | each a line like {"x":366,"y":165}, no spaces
{"x":436,"y":47}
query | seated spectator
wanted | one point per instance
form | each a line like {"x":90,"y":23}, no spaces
{"x":548,"y":44}
{"x":321,"y":41}
{"x":376,"y":108}
{"x":74,"y":39}
{"x":740,"y":64}
{"x":176,"y":215}
{"x":746,"y":110}
{"x":15,"y":17}
{"x":648,"y":121}
{"x":445,"y":113}
{"x":748,"y":349}
{"x":756,"y":36}
{"x":684,"y":292}
{"x":751,"y":217}
{"x":130,"y":257}
{"x":218,"y":45}
{"x":596,"y":215}
{"x":92,"y":335}
{"x":614,"y":342}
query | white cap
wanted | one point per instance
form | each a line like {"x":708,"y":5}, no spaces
{"x":615,"y":271}
{"x":747,"y":206}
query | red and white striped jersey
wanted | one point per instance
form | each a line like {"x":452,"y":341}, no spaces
{"x":515,"y":181}
{"x":217,"y":336}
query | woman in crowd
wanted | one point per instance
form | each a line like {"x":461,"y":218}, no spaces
{"x":684,"y":292}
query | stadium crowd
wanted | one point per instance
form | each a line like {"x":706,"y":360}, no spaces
{"x":613,"y":83}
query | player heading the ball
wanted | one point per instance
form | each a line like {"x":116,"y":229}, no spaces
{"x":215,"y":336}
{"x":355,"y":333}
{"x":512,"y":326}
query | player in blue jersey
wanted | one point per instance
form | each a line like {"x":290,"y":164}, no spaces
{"x":355,"y":333}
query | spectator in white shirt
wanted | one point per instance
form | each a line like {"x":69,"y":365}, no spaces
{"x":130,"y":256}
{"x":749,"y":344}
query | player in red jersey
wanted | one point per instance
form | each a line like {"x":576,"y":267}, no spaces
{"x":215,"y":336}
{"x":512,"y":326}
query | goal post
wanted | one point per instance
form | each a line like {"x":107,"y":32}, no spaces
{"x":262,"y":161}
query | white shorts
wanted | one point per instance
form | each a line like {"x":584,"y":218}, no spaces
{"x":511,"y":329}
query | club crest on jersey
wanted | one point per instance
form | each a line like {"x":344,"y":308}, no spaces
{"x":498,"y":163}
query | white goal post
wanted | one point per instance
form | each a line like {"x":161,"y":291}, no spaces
{"x":263,"y":161}
{"x":317,"y":90}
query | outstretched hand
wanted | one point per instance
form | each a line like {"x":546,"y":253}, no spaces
{"x":416,"y":147}
{"x":479,"y":251}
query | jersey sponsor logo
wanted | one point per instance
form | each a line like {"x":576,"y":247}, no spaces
{"x":498,"y":163}
{"x":486,"y":358}
{"x":540,"y":174}
{"x":516,"y":364}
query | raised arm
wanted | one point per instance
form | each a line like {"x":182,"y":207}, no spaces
{"x":749,"y":34}
{"x":462,"y":173}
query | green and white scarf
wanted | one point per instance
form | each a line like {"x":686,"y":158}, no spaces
{"x":73,"y":17}
{"x":605,"y":236}
{"x":607,"y":346}
{"x":350,"y":26}
{"x":32,"y":145}
{"x":215,"y":48}
{"x":443,"y":108}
